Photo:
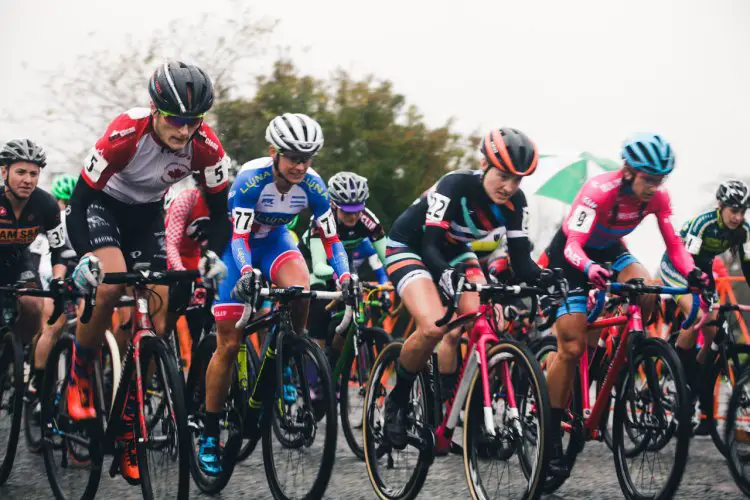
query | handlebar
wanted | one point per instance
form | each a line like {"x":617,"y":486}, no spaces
{"x":491,"y":291}
{"x":59,"y":291}
{"x":637,"y":287}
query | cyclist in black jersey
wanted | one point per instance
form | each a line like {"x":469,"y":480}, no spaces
{"x":430,"y":238}
{"x":26,"y":211}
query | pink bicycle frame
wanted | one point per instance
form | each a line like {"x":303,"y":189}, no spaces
{"x":475,"y":359}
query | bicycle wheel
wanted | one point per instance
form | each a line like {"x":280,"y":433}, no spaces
{"x":396,"y":474}
{"x":724,"y":384}
{"x":572,"y":431}
{"x":32,"y":429}
{"x":353,"y":385}
{"x":195,"y":403}
{"x":517,"y":432}
{"x":253,"y":364}
{"x":164,"y":451}
{"x":647,"y":474}
{"x":737,"y":432}
{"x":304,"y":471}
{"x":72,"y":452}
{"x":11,"y":401}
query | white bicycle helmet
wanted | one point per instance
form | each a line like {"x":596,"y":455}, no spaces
{"x":295,"y":132}
{"x":348,"y":191}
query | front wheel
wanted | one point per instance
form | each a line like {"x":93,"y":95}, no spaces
{"x":737,"y":432}
{"x":11,"y":401}
{"x":302,"y":471}
{"x":652,"y":403}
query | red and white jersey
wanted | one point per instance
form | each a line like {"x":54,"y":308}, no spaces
{"x":131,"y":164}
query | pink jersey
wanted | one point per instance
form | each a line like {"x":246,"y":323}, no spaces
{"x":590,"y":223}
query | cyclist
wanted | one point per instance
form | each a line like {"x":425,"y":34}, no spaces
{"x":608,"y":207}
{"x":25,"y":212}
{"x":115,"y":214}
{"x":62,"y":188}
{"x":430,"y":238}
{"x":707,"y":235}
{"x":187,"y":228}
{"x":266,"y":195}
{"x":363,"y":238}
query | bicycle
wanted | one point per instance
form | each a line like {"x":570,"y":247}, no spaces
{"x":651,"y":401}
{"x":498,"y":379}
{"x":110,"y":359}
{"x":730,"y":357}
{"x":360,"y":347}
{"x":81,"y":446}
{"x":737,"y":432}
{"x":12,"y":383}
{"x":297,"y":419}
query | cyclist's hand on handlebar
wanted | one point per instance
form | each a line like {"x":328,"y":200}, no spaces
{"x":247,"y":286}
{"x":598,"y":276}
{"x":697,"y":280}
{"x":88,"y":274}
{"x":546,"y":278}
{"x":448,"y":283}
{"x":212,"y":269}
{"x":385,"y":300}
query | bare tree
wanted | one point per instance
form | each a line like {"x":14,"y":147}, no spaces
{"x":102,"y":83}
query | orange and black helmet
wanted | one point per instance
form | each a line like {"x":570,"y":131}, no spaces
{"x":511,"y":151}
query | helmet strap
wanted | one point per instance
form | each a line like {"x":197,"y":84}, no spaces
{"x":277,"y":171}
{"x":14,"y":198}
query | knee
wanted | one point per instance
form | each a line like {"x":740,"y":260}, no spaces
{"x":570,"y":348}
{"x":432,"y":333}
{"x":453,"y":338}
{"x":227,"y":349}
{"x":109,"y":295}
{"x":31,"y":306}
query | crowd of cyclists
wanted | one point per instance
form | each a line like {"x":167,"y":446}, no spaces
{"x":234,"y":230}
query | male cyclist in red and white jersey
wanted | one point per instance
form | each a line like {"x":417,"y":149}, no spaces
{"x":115,"y":213}
{"x":608,"y":207}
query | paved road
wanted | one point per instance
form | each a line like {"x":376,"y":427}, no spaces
{"x":707,"y":477}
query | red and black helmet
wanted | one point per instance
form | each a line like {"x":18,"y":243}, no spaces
{"x":511,"y":151}
{"x":181,"y":89}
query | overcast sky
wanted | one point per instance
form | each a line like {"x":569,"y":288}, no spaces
{"x":574,"y":75}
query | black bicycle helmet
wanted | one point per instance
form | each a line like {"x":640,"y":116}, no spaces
{"x":181,"y":89}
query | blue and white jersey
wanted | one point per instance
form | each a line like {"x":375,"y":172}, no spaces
{"x":258,"y":207}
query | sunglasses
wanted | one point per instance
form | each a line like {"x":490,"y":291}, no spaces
{"x":296,"y":158}
{"x":180,"y":121}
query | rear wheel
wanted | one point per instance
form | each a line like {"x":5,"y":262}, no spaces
{"x":737,"y":433}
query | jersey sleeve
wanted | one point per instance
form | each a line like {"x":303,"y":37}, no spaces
{"x":517,"y":233}
{"x":367,"y":249}
{"x":242,"y":206}
{"x":177,"y":219}
{"x":694,"y":231}
{"x":681,"y":259}
{"x":326,"y":222}
{"x":442,"y":204}
{"x":211,"y":160}
{"x":115,"y":148}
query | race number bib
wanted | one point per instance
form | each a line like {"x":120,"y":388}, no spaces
{"x":581,"y":219}
{"x":94,"y":165}
{"x":243,"y":219}
{"x":437,"y":205}
{"x":693,"y":244}
{"x":56,"y":236}
{"x":217,"y":174}
{"x":327,"y":224}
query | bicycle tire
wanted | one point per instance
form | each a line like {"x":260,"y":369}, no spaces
{"x":58,"y":365}
{"x":253,"y":365}
{"x":737,"y":400}
{"x":474,"y":444}
{"x":374,"y":441}
{"x":154,"y":348}
{"x":374,"y":339}
{"x":296,"y":347}
{"x":11,"y":365}
{"x":195,"y":397}
{"x":738,"y":351}
{"x":645,"y":349}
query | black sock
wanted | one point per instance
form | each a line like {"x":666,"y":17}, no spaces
{"x":211,"y":425}
{"x":555,"y":423}
{"x":687,"y":358}
{"x":448,"y":383}
{"x":38,"y":378}
{"x":404,"y":381}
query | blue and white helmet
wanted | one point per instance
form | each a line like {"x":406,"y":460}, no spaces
{"x":648,"y":153}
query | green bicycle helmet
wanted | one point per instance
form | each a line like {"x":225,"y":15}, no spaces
{"x":63,"y":186}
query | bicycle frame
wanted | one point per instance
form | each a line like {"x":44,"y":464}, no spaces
{"x":475,"y":359}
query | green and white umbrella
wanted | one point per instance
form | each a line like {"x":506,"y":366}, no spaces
{"x":560,"y":177}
